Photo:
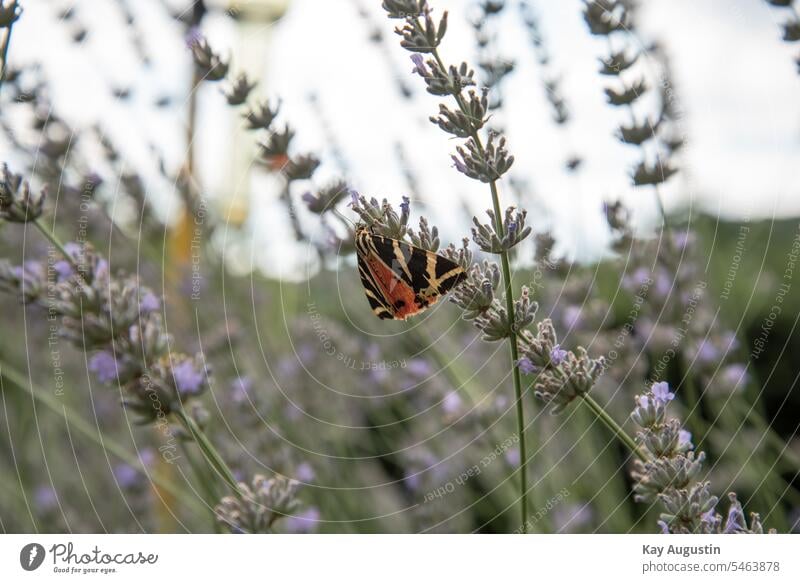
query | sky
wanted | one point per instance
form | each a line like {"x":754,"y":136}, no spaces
{"x":736,"y":83}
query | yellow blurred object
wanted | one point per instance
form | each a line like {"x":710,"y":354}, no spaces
{"x":163,"y":501}
{"x":180,"y":242}
{"x":236,"y":211}
{"x":253,"y":19}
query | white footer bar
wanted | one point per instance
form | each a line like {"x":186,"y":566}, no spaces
{"x":400,"y":558}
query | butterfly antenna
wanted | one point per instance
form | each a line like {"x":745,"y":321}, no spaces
{"x":344,"y":219}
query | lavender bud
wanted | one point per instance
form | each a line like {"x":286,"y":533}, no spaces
{"x":17,"y":203}
{"x":9,"y":14}
{"x":261,"y":505}
{"x":260,"y":117}
{"x":239,"y":90}
{"x":326,"y":198}
{"x":427,"y":237}
{"x":487,"y":164}
{"x":604,"y":16}
{"x":644,"y":174}
{"x":209,"y":66}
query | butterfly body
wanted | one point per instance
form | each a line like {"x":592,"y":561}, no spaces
{"x":401,"y":280}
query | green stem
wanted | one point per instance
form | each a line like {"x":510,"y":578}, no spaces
{"x":514,"y":352}
{"x":694,"y":418}
{"x":615,"y":428}
{"x":693,"y":414}
{"x":211,"y":455}
{"x":661,"y":209}
{"x":191,"y":124}
{"x":56,"y":243}
{"x":6,"y":44}
{"x":86,"y":429}
{"x":456,"y":380}
{"x":203,"y":476}
{"x":509,"y":293}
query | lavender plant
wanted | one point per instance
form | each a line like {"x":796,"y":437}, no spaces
{"x":410,"y":441}
{"x":671,"y":474}
{"x":118,"y":322}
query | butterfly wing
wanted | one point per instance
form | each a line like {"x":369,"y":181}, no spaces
{"x":401,"y":280}
{"x":374,"y":294}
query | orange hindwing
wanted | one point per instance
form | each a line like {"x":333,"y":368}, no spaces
{"x":401,"y":280}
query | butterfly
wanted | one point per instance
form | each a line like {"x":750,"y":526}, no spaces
{"x":402,"y":280}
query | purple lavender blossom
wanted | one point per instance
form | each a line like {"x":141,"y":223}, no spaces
{"x":459,"y":165}
{"x":28,"y":270}
{"x":104,"y":366}
{"x":193,"y":36}
{"x":241,"y":388}
{"x":101,"y":271}
{"x":637,"y":279}
{"x":512,"y":457}
{"x":681,"y":239}
{"x":571,"y":317}
{"x":63,"y":270}
{"x":736,"y":521}
{"x":304,"y":473}
{"x":147,"y":456}
{"x":150,"y":303}
{"x":661,"y":392}
{"x":663,"y":284}
{"x":74,"y":249}
{"x":730,"y":341}
{"x":413,"y":481}
{"x":526,"y":366}
{"x":188,"y":379}
{"x":45,"y":498}
{"x":287,"y":366}
{"x":304,"y":522}
{"x":451,"y":404}
{"x":405,"y":206}
{"x":501,"y":402}
{"x":419,"y":65}
{"x":557,"y":355}
{"x":709,"y":517}
{"x":707,"y":352}
{"x":684,"y":439}
{"x":735,"y":375}
{"x":126,"y":476}
{"x":307,"y":352}
{"x":419,"y":367}
{"x":571,"y":517}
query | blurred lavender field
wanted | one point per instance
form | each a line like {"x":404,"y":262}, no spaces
{"x":186,"y":345}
